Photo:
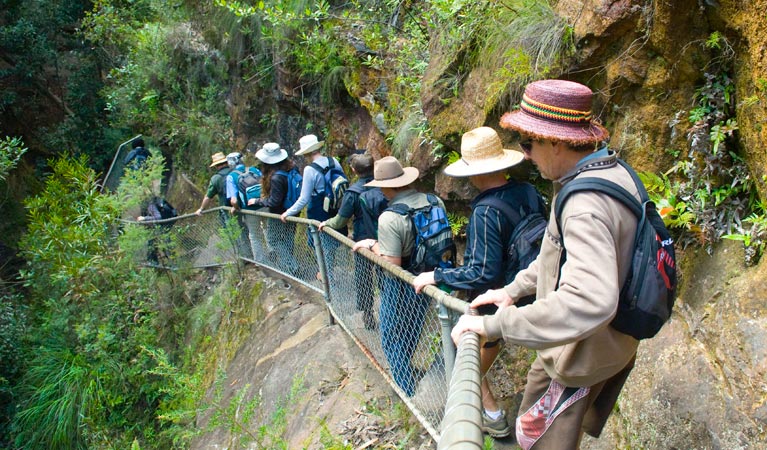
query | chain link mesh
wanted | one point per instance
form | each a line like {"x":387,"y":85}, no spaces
{"x":370,"y":298}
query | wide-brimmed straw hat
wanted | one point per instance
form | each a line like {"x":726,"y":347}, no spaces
{"x":308,"y":144}
{"x":218,"y":158}
{"x":271,"y":153}
{"x":389,"y":173}
{"x":556,"y":110}
{"x":482,"y":152}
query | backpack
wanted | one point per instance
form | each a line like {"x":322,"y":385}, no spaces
{"x":136,"y":158}
{"x":648,"y":294}
{"x":248,"y":185}
{"x":372,"y":203}
{"x":336,"y":183}
{"x":294,"y":186}
{"x":434,"y":245}
{"x":167,"y":211}
{"x":524,"y":242}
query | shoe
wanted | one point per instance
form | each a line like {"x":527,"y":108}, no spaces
{"x":498,"y":428}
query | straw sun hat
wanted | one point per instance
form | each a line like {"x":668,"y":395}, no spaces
{"x":482,"y":152}
{"x":217,"y":158}
{"x":556,"y":110}
{"x":389,"y":173}
{"x":308,"y":144}
{"x":271,"y":153}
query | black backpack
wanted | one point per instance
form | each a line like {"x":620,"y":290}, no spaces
{"x":372,"y":203}
{"x":434,"y":246}
{"x":167,"y":211}
{"x":523,"y":243}
{"x":648,"y":294}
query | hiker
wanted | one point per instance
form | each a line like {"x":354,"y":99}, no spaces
{"x":363,"y":205}
{"x":137,"y":156}
{"x":582,"y":362}
{"x":217,"y":184}
{"x":484,"y":161}
{"x":235,"y":197}
{"x":278,"y":195}
{"x":315,"y":195}
{"x":157,"y":208}
{"x":313,"y":182}
{"x":402,"y":312}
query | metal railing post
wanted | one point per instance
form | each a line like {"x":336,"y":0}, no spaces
{"x":319,"y":253}
{"x":448,"y":348}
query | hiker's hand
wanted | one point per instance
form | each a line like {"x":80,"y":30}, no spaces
{"x":422,"y":280}
{"x":497,"y":297}
{"x":321,"y":226}
{"x":233,"y":210}
{"x":140,"y":218}
{"x":365,"y":243}
{"x":468,"y":323}
{"x":198,"y":212}
{"x":252,"y":201}
{"x":284,"y":217}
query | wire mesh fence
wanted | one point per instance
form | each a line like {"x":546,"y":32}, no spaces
{"x":405,"y":335}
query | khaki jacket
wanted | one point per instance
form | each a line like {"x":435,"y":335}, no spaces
{"x":569,"y":323}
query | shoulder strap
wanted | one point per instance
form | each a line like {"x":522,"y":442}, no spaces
{"x":506,"y":209}
{"x":399,"y":208}
{"x":599,"y":185}
{"x":323,"y":170}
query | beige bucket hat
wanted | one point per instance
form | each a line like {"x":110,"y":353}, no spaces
{"x":389,"y":173}
{"x":218,"y":158}
{"x":308,"y":144}
{"x":482,"y":152}
{"x":271,"y":153}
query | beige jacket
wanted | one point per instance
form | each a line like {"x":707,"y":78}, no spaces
{"x":569,"y":323}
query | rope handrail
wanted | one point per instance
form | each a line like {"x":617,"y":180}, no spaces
{"x":421,"y":373}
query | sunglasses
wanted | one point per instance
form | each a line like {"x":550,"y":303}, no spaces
{"x":526,"y":145}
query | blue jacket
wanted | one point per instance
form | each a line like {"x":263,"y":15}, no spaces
{"x":488,"y":232}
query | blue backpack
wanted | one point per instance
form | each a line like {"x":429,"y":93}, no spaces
{"x":336,"y":184}
{"x":434,"y":245}
{"x":248,"y":185}
{"x":136,"y":158}
{"x":294,"y":186}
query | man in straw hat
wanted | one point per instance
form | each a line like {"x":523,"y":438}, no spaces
{"x":484,"y":161}
{"x":582,"y":362}
{"x":402,"y":312}
{"x":217,"y":183}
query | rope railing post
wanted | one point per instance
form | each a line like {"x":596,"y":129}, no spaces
{"x":462,"y":423}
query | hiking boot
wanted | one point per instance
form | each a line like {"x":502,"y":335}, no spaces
{"x":498,"y":428}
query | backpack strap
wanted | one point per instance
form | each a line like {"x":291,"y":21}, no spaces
{"x":599,"y":185}
{"x":511,"y":214}
{"x":324,"y":170}
{"x":606,"y":187}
